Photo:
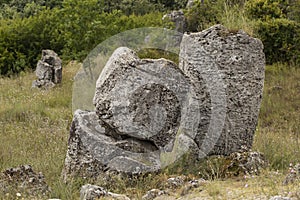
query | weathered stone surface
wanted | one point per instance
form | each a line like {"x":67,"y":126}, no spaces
{"x":245,"y":163}
{"x":177,"y":16}
{"x":180,"y":26}
{"x":143,"y":120}
{"x":48,"y":71}
{"x":227,"y":70}
{"x":150,"y":112}
{"x":141,"y":98}
{"x":91,"y":152}
{"x":152,"y":194}
{"x":280,"y":198}
{"x":92,"y":192}
{"x":23,"y":181}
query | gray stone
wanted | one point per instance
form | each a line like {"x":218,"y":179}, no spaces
{"x":293,"y":175}
{"x":91,"y":192}
{"x":227,"y":69}
{"x":92,"y":152}
{"x":190,"y":4}
{"x":48,"y":71}
{"x":149,"y":112}
{"x":248,"y":162}
{"x":143,"y":120}
{"x":141,"y":98}
{"x":152,"y":194}
{"x":23,"y":181}
{"x":280,"y":198}
{"x":179,"y":20}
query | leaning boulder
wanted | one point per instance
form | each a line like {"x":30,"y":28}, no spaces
{"x":48,"y":71}
{"x":144,"y":119}
{"x":92,"y":152}
{"x":149,"y":112}
{"x":227,"y":69}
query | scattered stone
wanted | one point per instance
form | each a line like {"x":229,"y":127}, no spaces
{"x":48,"y":70}
{"x":227,"y":70}
{"x":280,"y":198}
{"x":190,"y":4}
{"x":23,"y":181}
{"x":92,"y":192}
{"x":246,"y":163}
{"x":294,"y":174}
{"x":176,"y":182}
{"x":152,"y":194}
{"x":191,"y":185}
{"x":179,"y":20}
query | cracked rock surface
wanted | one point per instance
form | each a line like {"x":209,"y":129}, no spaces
{"x":227,"y":69}
{"x":149,"y":112}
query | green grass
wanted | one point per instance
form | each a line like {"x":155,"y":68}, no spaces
{"x":34,"y":129}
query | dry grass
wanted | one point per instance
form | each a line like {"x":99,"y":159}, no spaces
{"x":34,"y":128}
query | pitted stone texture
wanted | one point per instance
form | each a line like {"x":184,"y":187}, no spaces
{"x":48,"y":71}
{"x":142,"y":98}
{"x":93,"y":192}
{"x":24,"y":181}
{"x":91,"y":153}
{"x":239,"y":61}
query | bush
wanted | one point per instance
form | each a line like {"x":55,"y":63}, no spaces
{"x":266,"y":9}
{"x":281,"y":39}
{"x":276,"y":28}
{"x":21,"y":41}
{"x":202,"y":15}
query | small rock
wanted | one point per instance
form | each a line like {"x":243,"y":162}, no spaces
{"x":48,"y":70}
{"x":24,"y":181}
{"x":152,"y":194}
{"x":293,"y":175}
{"x":91,"y":192}
{"x":179,"y":20}
{"x":190,"y":185}
{"x":176,"y":181}
{"x":280,"y":198}
{"x":248,"y":162}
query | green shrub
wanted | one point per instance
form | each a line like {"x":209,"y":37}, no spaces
{"x":281,"y":39}
{"x":266,"y":9}
{"x":202,"y":15}
{"x":21,"y":41}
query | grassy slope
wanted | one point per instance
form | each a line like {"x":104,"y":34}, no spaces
{"x":34,"y":128}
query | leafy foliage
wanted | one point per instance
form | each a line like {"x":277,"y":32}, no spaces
{"x":274,"y":26}
{"x":72,"y":31}
{"x":281,"y":39}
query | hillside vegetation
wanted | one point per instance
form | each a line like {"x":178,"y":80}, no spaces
{"x":73,"y":28}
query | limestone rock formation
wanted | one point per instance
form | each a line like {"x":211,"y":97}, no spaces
{"x":149,"y":112}
{"x":143,"y":120}
{"x":48,"y":70}
{"x":227,"y":70}
{"x":24,"y":182}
